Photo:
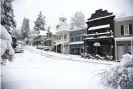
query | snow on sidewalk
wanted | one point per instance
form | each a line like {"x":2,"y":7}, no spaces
{"x":68,"y":56}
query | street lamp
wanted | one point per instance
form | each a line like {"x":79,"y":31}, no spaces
{"x":96,"y":44}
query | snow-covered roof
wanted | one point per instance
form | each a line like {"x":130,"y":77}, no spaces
{"x":101,"y":18}
{"x":42,"y":33}
{"x":77,"y":42}
{"x":124,"y":18}
{"x":123,"y":38}
{"x":78,"y":29}
{"x":99,"y":27}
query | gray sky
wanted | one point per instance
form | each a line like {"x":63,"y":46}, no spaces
{"x":53,"y":9}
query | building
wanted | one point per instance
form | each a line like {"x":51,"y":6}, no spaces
{"x":37,"y":38}
{"x":123,"y":36}
{"x":62,"y":36}
{"x":50,"y":39}
{"x":31,"y":37}
{"x":42,"y":37}
{"x":76,"y":43}
{"x":99,"y":39}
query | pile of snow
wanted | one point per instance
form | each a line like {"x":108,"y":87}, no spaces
{"x":6,"y":49}
{"x":120,"y":75}
{"x":67,"y":56}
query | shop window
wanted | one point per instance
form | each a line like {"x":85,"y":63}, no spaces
{"x":77,"y":38}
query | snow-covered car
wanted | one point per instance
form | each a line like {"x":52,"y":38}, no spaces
{"x":39,"y":47}
{"x":46,"y":49}
{"x":19,"y":48}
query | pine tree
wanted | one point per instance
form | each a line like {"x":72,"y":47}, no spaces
{"x":39,"y":23}
{"x":7,"y":15}
{"x":77,"y":21}
{"x":25,"y":28}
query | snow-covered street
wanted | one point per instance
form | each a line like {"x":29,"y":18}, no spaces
{"x":30,"y":70}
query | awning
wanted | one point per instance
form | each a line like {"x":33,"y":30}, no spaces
{"x":99,"y":27}
{"x":78,"y":42}
{"x":123,"y":38}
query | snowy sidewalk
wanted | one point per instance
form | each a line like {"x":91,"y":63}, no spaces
{"x":68,"y":56}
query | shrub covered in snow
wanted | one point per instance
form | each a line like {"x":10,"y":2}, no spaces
{"x":120,"y":75}
{"x":6,"y":49}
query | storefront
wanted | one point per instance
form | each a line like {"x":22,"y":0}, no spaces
{"x":76,"y":49}
{"x":123,"y":45}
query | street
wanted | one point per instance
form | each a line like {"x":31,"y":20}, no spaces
{"x":30,"y":70}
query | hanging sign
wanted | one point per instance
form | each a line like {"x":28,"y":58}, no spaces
{"x":96,"y":44}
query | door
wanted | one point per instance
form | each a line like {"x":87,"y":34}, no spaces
{"x":120,"y":51}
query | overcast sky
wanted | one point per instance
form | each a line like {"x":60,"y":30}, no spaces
{"x":53,"y":9}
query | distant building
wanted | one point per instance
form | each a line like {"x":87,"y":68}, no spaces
{"x":37,"y":37}
{"x":62,"y":36}
{"x":123,"y":36}
{"x":31,"y":37}
{"x":99,"y":39}
{"x":76,"y":43}
{"x":50,"y":41}
{"x":42,"y":37}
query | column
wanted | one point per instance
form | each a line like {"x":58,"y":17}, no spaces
{"x":115,"y":51}
{"x":56,"y":41}
{"x":63,"y":41}
{"x":132,"y":47}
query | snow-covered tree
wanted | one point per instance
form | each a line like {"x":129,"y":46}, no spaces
{"x":7,"y":15}
{"x":39,"y":23}
{"x":17,"y":34}
{"x":25,"y":28}
{"x":120,"y":76}
{"x":6,"y":50}
{"x":77,"y":21}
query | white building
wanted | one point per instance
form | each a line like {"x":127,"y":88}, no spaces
{"x":37,"y":36}
{"x":62,"y":36}
{"x":123,"y":36}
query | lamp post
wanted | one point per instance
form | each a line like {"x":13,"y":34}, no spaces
{"x":96,"y":44}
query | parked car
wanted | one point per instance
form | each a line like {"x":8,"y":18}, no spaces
{"x":19,"y":48}
{"x":39,"y":47}
{"x":46,"y":49}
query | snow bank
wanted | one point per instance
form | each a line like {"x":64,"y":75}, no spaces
{"x":120,"y":75}
{"x":48,"y":53}
{"x":68,"y":56}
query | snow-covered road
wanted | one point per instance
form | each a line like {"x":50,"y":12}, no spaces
{"x":30,"y":70}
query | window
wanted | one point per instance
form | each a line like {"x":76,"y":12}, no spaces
{"x":77,"y":38}
{"x":72,"y":39}
{"x":59,"y":36}
{"x":65,"y":36}
{"x":126,"y":29}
